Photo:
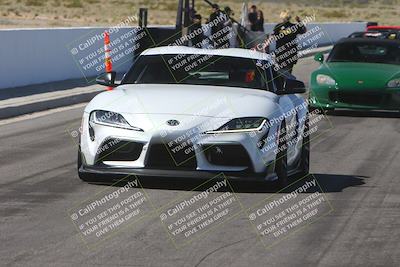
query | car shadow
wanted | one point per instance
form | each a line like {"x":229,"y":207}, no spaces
{"x":327,"y":183}
{"x":362,"y":114}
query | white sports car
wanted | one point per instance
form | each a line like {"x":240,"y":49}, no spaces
{"x":187,"y":112}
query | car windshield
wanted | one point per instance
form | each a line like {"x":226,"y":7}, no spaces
{"x":368,"y":52}
{"x":200,"y":69}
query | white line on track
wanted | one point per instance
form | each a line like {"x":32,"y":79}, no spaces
{"x":40,"y":114}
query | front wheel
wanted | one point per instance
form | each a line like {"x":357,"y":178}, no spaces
{"x":281,"y":166}
{"x":305,"y":149}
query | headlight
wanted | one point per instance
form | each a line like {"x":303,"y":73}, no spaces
{"x":394,"y":83}
{"x":323,"y":79}
{"x":109,"y":118}
{"x":241,"y":125}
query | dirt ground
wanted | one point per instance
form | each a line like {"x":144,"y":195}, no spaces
{"x":70,"y":13}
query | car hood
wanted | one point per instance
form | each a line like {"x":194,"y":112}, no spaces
{"x":362,"y":75}
{"x":196,"y":100}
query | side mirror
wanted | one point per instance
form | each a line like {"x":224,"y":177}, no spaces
{"x":293,"y":87}
{"x":319,"y":57}
{"x":107,"y":79}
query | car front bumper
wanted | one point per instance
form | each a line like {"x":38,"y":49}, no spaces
{"x":116,"y":174}
{"x":241,"y":158}
{"x":379,"y":99}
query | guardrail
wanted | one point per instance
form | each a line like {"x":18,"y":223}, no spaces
{"x":34,"y":56}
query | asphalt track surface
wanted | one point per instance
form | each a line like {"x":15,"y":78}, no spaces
{"x":355,"y":161}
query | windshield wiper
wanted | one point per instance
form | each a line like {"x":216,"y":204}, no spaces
{"x":141,"y":74}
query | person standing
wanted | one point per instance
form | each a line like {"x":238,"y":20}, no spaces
{"x":259,"y":26}
{"x":220,"y":29}
{"x":285,"y":33}
{"x":228,"y":27}
{"x":214,"y":18}
{"x":253,"y":17}
{"x":197,"y":29}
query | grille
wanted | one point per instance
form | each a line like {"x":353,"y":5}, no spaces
{"x":358,"y":98}
{"x":118,"y":150}
{"x":228,"y":155}
{"x":163,"y":157}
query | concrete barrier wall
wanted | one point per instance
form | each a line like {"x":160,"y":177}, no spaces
{"x":332,"y":32}
{"x":33,"y":56}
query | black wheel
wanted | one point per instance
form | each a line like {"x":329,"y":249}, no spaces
{"x":305,"y":150}
{"x":281,"y":166}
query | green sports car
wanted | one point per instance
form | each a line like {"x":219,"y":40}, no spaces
{"x":359,"y":73}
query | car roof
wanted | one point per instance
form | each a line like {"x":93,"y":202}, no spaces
{"x":227,"y":52}
{"x":367,"y":40}
{"x":390,"y":35}
{"x":383,"y":27}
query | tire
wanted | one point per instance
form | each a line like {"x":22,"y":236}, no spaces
{"x":305,"y":150}
{"x":281,"y":166}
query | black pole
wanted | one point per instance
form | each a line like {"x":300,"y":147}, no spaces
{"x":143,"y":17}
{"x":186,"y":18}
{"x":178,"y":24}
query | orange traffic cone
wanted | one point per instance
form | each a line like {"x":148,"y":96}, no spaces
{"x":107,"y":52}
